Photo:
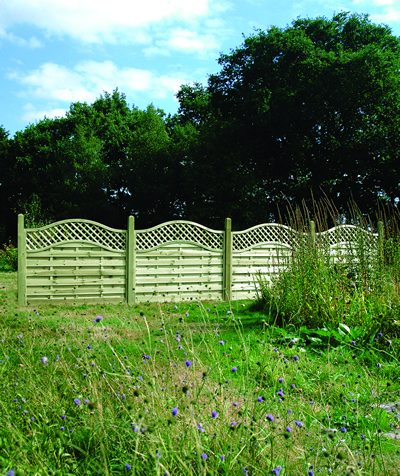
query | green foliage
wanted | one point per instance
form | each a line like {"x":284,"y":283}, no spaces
{"x":8,"y":258}
{"x":307,"y":107}
{"x":34,"y":215}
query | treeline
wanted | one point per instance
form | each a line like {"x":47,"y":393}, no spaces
{"x":297,"y":114}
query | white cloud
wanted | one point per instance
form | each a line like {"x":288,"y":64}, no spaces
{"x":33,"y":42}
{"x":375,"y":2}
{"x":390,"y":10}
{"x":190,"y":41}
{"x":94,"y":21}
{"x":32,"y":114}
{"x":89,"y":79}
{"x":156,"y":51}
{"x":55,"y":82}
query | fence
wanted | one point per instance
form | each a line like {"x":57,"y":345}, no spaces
{"x":82,"y":260}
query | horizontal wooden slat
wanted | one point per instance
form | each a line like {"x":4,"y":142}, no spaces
{"x":34,"y":272}
{"x":111,"y":261}
{"x":57,"y":281}
{"x":79,"y":291}
{"x":59,"y":300}
{"x":178,"y":281}
{"x":177,"y":287}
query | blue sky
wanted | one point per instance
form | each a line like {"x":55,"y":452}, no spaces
{"x":55,"y":52}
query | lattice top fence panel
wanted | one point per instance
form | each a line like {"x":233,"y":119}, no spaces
{"x":269,"y":232}
{"x":282,"y":234}
{"x":71,"y":230}
{"x":346,"y":234}
{"x":179,"y":231}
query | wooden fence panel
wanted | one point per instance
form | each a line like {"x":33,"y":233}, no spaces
{"x":176,"y":272}
{"x":75,"y":271}
{"x":75,"y":260}
{"x":262,"y":249}
{"x":178,"y":260}
{"x":268,"y":260}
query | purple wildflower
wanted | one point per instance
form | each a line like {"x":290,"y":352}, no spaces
{"x":277,"y":470}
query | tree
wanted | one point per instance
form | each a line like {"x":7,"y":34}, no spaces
{"x":6,"y":214}
{"x":313,"y":106}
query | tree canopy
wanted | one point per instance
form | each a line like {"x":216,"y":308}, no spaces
{"x":313,"y":106}
{"x":295,"y":113}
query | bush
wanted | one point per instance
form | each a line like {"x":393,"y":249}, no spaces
{"x":360,"y":289}
{"x":9,"y":258}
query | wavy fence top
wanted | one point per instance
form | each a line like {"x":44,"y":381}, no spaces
{"x":284,"y":235}
{"x":78,"y":230}
{"x":346,"y":233}
{"x":75,"y":230}
{"x":179,"y":231}
{"x":266,"y":233}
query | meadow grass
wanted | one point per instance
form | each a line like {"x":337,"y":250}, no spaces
{"x":192,"y":388}
{"x":80,"y":397}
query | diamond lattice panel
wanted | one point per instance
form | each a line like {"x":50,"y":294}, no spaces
{"x":75,"y":231}
{"x":263,"y":234}
{"x":178,"y":231}
{"x":346,"y":234}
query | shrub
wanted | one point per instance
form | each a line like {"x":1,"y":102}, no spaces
{"x":9,"y":258}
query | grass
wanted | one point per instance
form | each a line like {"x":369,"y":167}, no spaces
{"x":124,"y":412}
{"x":206,"y":388}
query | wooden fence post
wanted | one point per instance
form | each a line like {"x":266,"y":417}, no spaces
{"x":312,"y":233}
{"x":227,"y":290}
{"x":381,"y":237}
{"x":21,"y":261}
{"x":130,"y":261}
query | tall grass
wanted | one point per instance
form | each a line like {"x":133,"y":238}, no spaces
{"x":359,"y":288}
